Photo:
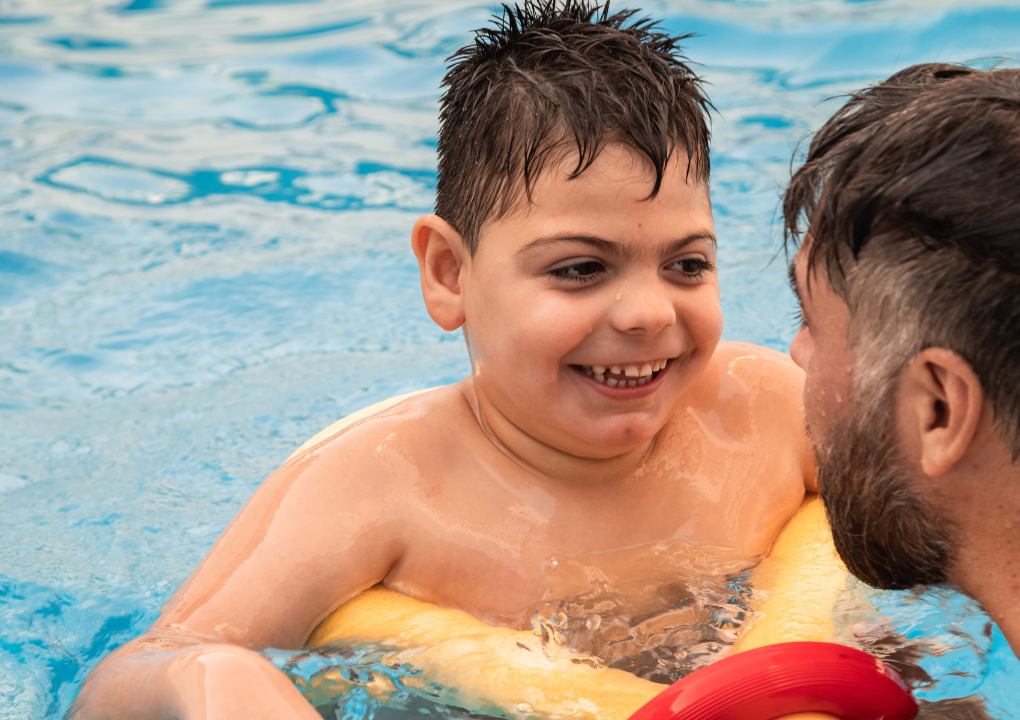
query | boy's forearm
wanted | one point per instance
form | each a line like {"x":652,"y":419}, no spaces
{"x":187,"y":680}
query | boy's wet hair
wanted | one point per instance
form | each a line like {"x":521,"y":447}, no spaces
{"x":551,"y":76}
{"x":910,"y":200}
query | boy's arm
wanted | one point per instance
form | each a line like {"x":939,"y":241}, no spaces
{"x":187,"y":680}
{"x":305,"y":543}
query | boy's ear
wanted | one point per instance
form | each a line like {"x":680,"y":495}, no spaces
{"x":442,"y":255}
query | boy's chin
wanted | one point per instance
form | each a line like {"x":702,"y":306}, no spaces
{"x":604,"y":436}
{"x":576,"y":419}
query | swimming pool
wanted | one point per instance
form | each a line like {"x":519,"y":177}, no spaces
{"x":204,"y":260}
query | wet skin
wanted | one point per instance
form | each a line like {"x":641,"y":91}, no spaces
{"x":462,"y":495}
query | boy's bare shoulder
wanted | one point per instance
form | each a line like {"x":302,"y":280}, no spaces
{"x":763,"y":390}
{"x":767,"y":369}
{"x":429,"y":419}
{"x":756,"y":381}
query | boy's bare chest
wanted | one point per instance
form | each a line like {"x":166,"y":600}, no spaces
{"x":500,"y":549}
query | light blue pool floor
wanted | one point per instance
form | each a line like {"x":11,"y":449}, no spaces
{"x":203,"y":261}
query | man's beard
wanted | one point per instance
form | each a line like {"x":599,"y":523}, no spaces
{"x":888,"y":535}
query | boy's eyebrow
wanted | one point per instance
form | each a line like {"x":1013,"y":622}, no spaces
{"x":613,"y":248}
{"x":607,"y":246}
{"x":678,"y":245}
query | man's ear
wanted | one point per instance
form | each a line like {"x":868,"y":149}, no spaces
{"x":442,"y":256}
{"x":942,"y":401}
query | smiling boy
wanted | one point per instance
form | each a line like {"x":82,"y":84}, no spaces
{"x":574,"y":245}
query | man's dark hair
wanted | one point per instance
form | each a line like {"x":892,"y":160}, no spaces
{"x":910,"y":198}
{"x":549,"y":75}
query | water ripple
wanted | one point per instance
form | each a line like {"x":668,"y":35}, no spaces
{"x":203,"y":261}
{"x":304,"y":32}
{"x":367,"y":185}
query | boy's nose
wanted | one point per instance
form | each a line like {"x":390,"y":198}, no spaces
{"x":643,"y":307}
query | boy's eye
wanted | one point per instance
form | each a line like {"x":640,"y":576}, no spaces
{"x":691,"y":267}
{"x":584,"y":271}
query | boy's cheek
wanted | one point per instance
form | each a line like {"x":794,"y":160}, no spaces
{"x":704,"y":321}
{"x":535,"y":324}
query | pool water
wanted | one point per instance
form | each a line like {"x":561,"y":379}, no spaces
{"x":204,"y":260}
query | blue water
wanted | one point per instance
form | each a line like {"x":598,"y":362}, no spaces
{"x":204,"y":260}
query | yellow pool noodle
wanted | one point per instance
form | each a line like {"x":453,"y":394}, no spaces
{"x":797,"y":586}
{"x":513,"y":672}
{"x":491,"y":668}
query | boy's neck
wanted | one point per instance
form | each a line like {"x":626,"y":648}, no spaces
{"x":545,"y":460}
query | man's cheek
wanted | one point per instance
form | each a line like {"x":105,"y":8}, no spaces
{"x":814,"y":410}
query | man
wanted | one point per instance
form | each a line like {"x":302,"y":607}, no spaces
{"x":908,"y":275}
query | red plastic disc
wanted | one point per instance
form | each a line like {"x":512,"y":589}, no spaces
{"x":777,"y":680}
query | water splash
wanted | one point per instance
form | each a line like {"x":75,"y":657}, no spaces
{"x":367,"y":683}
{"x":661,"y":624}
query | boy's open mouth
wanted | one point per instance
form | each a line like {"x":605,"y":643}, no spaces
{"x":624,"y":376}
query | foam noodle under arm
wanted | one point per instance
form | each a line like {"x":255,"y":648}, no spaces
{"x":512,"y":672}
{"x":491,"y":668}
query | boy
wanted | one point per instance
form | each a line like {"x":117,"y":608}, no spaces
{"x":573,"y":242}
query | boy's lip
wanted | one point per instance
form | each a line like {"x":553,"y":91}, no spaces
{"x":626,"y":393}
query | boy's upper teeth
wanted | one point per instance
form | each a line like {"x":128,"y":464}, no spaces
{"x":631,"y":371}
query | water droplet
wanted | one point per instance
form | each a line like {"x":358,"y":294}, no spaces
{"x":523,"y":708}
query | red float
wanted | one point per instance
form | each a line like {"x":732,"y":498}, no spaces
{"x":771,"y":682}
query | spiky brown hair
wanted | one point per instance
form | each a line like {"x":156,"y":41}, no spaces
{"x":549,"y":74}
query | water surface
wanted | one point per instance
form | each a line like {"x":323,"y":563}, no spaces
{"x":205,"y":207}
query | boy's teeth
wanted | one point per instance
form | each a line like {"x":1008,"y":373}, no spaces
{"x":626,"y":375}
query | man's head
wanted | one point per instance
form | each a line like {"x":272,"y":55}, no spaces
{"x":573,"y":230}
{"x":909,"y":279}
